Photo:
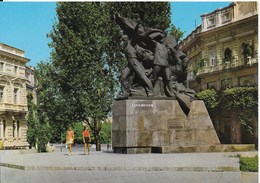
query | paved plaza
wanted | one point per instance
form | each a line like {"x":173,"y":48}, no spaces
{"x":104,"y":166}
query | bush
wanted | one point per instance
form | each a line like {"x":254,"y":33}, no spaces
{"x":249,"y":164}
{"x":241,"y":101}
{"x":240,"y":98}
{"x":210,"y":97}
{"x":106,"y":133}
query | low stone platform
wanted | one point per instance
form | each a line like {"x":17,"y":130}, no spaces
{"x":210,"y":148}
{"x":201,"y":162}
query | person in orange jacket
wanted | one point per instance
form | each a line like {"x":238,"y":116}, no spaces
{"x":86,"y":139}
{"x":70,"y":139}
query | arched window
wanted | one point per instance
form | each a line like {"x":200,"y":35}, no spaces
{"x":227,"y":54}
{"x":14,"y":128}
{"x":18,"y":129}
{"x":4,"y":126}
{"x":247,"y":50}
{"x":1,"y":93}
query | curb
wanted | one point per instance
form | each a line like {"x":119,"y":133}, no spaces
{"x":193,"y":169}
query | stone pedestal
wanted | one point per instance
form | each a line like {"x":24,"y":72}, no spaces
{"x":160,"y":126}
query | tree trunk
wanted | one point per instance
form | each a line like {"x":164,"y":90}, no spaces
{"x":98,"y":145}
{"x":235,"y":128}
{"x":97,"y":139}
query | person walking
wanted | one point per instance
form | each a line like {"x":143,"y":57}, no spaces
{"x":70,"y":139}
{"x":86,"y":139}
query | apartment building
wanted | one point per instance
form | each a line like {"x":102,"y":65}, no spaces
{"x":223,"y":52}
{"x":13,"y":97}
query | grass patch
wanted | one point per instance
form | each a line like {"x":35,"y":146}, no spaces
{"x":248,"y":164}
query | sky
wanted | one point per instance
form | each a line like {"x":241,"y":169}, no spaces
{"x":25,"y":25}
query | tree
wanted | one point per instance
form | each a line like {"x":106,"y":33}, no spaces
{"x":106,"y":132}
{"x":176,"y":32}
{"x":84,"y":70}
{"x":149,"y":14}
{"x":50,"y":101}
{"x":38,"y":127}
{"x":32,"y":122}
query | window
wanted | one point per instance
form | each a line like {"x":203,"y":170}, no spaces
{"x":211,"y":22}
{"x":27,"y":75}
{"x":247,"y":49}
{"x":1,"y":66}
{"x":16,"y":95}
{"x":15,"y":70}
{"x":212,"y":61}
{"x":226,"y":17}
{"x":4,"y":124}
{"x":227,"y":54}
{"x":212,"y":58}
{"x":246,"y":80}
{"x":226,"y":83}
{"x":18,"y":129}
{"x":14,"y":128}
{"x":212,"y":85}
{"x":1,"y":93}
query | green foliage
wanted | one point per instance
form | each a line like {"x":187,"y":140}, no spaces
{"x":249,"y":164}
{"x":247,"y":49}
{"x":32,"y":121}
{"x":106,"y":132}
{"x":39,"y":131}
{"x":50,"y":100}
{"x":244,"y":101}
{"x":149,"y":14}
{"x":240,"y":98}
{"x":176,"y":32}
{"x":78,"y":128}
{"x":210,"y":97}
{"x":198,"y":65}
{"x":85,"y":64}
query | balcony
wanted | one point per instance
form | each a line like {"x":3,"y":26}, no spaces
{"x":13,"y":107}
{"x":226,"y":65}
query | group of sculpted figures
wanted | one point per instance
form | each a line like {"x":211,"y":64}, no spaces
{"x":156,"y":67}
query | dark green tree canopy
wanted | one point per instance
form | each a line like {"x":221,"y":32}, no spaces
{"x":149,"y":14}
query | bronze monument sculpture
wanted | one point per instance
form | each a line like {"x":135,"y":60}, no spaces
{"x":155,"y":64}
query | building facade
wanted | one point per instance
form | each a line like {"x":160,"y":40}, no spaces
{"x":223,"y":52}
{"x":13,"y":97}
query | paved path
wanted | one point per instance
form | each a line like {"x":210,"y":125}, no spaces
{"x":111,"y":168}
